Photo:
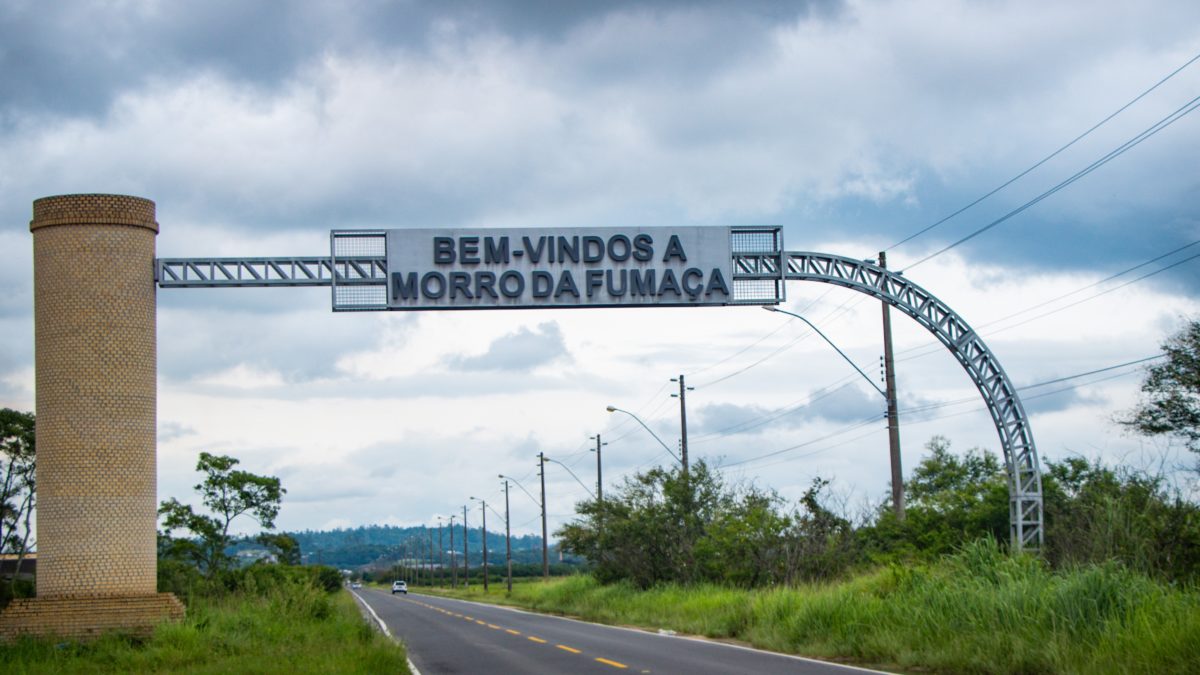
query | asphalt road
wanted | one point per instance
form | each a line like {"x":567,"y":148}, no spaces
{"x":454,"y":636}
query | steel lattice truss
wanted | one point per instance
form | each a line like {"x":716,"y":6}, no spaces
{"x":1020,"y":454}
{"x":242,"y":272}
{"x":369,"y":273}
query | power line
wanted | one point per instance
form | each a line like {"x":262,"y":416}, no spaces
{"x":843,"y":308}
{"x":772,"y":415}
{"x":876,"y":418}
{"x":1113,"y":154}
{"x":926,"y":351}
{"x":1093,"y":297}
{"x":1047,"y":157}
{"x":870,"y":420}
{"x":1067,"y":378}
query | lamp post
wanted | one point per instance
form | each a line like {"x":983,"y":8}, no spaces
{"x":648,"y":430}
{"x":441,"y":556}
{"x":893,"y":429}
{"x":453,"y":562}
{"x":542,"y":506}
{"x":572,"y":475}
{"x":507,"y":537}
{"x":466,"y":552}
{"x":545,"y":539}
{"x":483,"y":536}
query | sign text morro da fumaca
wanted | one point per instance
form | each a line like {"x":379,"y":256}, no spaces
{"x":558,"y":267}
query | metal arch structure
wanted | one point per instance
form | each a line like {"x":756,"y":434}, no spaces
{"x":1012,"y":424}
{"x":358,"y":279}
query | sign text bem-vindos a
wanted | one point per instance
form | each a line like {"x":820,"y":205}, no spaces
{"x":558,"y":267}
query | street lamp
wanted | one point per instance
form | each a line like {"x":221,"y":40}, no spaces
{"x":507,"y":537}
{"x":648,"y":430}
{"x":572,"y":476}
{"x":835,"y":347}
{"x":542,"y":506}
{"x":483,"y":535}
{"x":889,"y":396}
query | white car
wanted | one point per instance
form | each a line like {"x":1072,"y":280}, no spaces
{"x":356,"y":585}
{"x":399,"y":587}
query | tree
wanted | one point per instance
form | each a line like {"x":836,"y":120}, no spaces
{"x":951,"y":500}
{"x":1171,"y":391}
{"x":229,"y":494}
{"x":284,"y":547}
{"x":18,"y":482}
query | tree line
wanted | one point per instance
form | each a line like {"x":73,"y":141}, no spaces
{"x":667,"y":525}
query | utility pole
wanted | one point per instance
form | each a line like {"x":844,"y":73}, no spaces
{"x":893,"y":416}
{"x":507,"y":536}
{"x":430,"y":531}
{"x":441,"y":556}
{"x":599,"y":477}
{"x":682,"y":395}
{"x":545,"y":543}
{"x":466,"y":552}
{"x":453,"y":562}
{"x":483,"y":532}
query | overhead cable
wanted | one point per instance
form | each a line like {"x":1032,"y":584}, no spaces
{"x":1113,"y":154}
{"x":1047,"y":157}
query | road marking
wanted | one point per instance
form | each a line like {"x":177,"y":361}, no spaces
{"x":468,"y":618}
{"x":492,"y":625}
{"x":537,"y":639}
{"x":569,"y":649}
{"x":614,"y":664}
{"x":514,"y":632}
{"x":481,"y":623}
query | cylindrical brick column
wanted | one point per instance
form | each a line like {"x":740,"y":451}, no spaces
{"x":95,"y":356}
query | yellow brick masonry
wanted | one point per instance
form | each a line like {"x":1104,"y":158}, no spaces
{"x":95,"y":342}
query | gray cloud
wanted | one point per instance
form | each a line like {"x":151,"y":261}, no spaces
{"x":522,"y":350}
{"x":841,"y":405}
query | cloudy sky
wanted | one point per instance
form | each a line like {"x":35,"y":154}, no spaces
{"x":259,"y":126}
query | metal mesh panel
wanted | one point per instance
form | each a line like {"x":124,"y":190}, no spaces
{"x":757,"y":252}
{"x":359,"y":298}
{"x":755,"y":240}
{"x":358,"y":284}
{"x":361,"y":243}
{"x":755,"y":291}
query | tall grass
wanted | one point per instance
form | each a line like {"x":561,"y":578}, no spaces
{"x":293,"y":628}
{"x":978,"y":611}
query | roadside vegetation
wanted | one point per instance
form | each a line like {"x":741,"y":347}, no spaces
{"x":267,"y":617}
{"x":263,"y":619}
{"x":978,"y":610}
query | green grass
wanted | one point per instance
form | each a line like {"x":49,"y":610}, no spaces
{"x":979,"y":611}
{"x":292,"y":630}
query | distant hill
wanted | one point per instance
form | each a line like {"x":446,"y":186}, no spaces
{"x":371,"y":544}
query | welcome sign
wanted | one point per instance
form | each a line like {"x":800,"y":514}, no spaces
{"x":523,"y":268}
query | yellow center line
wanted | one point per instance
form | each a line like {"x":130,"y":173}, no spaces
{"x":492,"y":625}
{"x":481,"y":623}
{"x":614,"y":664}
{"x":537,"y":639}
{"x":514,"y":632}
{"x":569,"y":649}
{"x":468,"y":618}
